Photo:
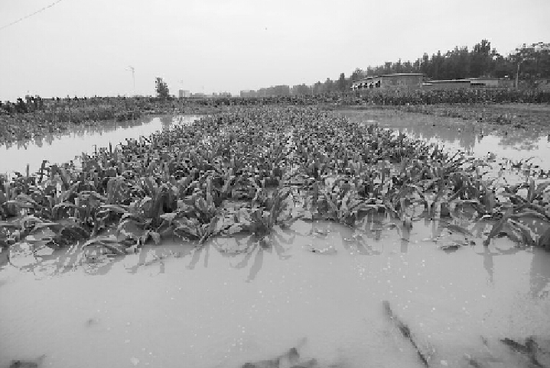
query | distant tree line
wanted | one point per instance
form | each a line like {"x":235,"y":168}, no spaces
{"x":529,"y":63}
{"x":31,"y":103}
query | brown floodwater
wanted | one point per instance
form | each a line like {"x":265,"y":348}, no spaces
{"x":63,"y":147}
{"x":468,"y":136}
{"x":318,"y":287}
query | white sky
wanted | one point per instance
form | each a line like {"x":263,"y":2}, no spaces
{"x":84,"y":47}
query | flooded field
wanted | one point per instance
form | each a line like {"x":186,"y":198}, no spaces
{"x":62,"y":147}
{"x":317,"y":287}
{"x":469,"y":136}
{"x":316,"y":294}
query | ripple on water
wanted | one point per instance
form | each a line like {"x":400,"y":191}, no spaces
{"x":64,"y":147}
{"x":221,"y":306}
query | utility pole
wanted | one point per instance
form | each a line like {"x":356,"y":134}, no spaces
{"x":517,"y":75}
{"x":133,"y":70}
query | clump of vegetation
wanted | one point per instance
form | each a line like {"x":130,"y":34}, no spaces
{"x":247,"y":170}
{"x":161,"y":87}
{"x":25,"y":120}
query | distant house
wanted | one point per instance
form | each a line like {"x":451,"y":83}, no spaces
{"x":221,"y":94}
{"x":447,"y":84}
{"x":484,"y":82}
{"x":198,"y":95}
{"x":182,"y":93}
{"x":491,"y":82}
{"x":405,"y":81}
{"x":468,"y":83}
{"x":247,"y":93}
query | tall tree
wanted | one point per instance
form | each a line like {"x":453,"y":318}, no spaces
{"x":162,"y":89}
{"x":301,"y":89}
{"x":481,"y":59}
{"x":357,"y":74}
{"x":328,"y":86}
{"x":342,"y":84}
{"x":398,"y":67}
{"x":438,"y":66}
{"x":426,"y":65}
{"x":318,"y":88}
{"x":532,"y":62}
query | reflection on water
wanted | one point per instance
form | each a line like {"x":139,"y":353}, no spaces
{"x":468,"y":136}
{"x":318,"y":287}
{"x":62,"y":147}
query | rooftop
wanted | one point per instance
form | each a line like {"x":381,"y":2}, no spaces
{"x":392,"y":76}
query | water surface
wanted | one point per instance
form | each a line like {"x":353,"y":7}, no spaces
{"x":60,"y":148}
{"x":469,"y":136}
{"x":318,"y":287}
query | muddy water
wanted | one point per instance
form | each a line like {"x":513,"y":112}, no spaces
{"x":63,"y":147}
{"x":317,"y":287}
{"x":468,"y":136}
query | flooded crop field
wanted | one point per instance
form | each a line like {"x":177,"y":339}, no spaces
{"x":471,"y":136}
{"x":278,"y":237}
{"x":62,"y":147}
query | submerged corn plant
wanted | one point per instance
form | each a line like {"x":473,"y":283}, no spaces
{"x":248,"y":170}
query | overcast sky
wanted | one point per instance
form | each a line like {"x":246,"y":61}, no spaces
{"x":85,"y":47}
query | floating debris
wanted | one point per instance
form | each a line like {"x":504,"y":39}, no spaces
{"x":35,"y":363}
{"x":406,"y":332}
{"x":289,"y":359}
{"x":530,"y":349}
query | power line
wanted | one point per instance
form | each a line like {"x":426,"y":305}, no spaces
{"x":30,"y":15}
